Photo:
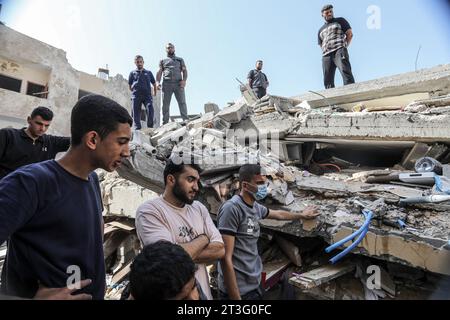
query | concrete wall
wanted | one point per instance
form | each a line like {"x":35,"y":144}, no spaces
{"x":63,"y":80}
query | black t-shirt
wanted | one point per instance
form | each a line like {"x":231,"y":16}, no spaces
{"x":331,"y":35}
{"x":17,"y":149}
{"x":53,"y":223}
{"x":258,"y":78}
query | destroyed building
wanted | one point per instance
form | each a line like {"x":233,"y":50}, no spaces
{"x":342,"y":149}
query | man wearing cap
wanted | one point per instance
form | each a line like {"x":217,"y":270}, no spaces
{"x":334,"y":38}
{"x":174,"y":73}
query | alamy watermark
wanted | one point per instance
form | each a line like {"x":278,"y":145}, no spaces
{"x":374,"y":19}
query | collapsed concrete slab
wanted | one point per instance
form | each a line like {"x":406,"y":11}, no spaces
{"x":433,"y":82}
{"x":374,"y":126}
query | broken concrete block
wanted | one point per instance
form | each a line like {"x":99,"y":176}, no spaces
{"x":202,"y":122}
{"x":272,"y":125}
{"x":283,"y":104}
{"x":235,"y":113}
{"x":212,"y":107}
{"x":316,"y":277}
{"x":418,"y":151}
{"x":221,"y":124}
{"x":175,"y":136}
{"x":163,"y":130}
{"x":278,"y":190}
{"x":290,"y":250}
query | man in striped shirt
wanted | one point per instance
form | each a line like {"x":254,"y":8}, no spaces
{"x":334,"y":38}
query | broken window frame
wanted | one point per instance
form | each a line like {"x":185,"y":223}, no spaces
{"x":42,"y":93}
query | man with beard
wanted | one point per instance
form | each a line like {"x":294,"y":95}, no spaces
{"x":334,"y":38}
{"x":257,"y":80}
{"x":173,"y":70}
{"x":177,"y":218}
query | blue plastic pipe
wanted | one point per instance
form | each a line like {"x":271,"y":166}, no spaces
{"x":362,"y":233}
{"x":339,"y":256}
{"x":350,"y":237}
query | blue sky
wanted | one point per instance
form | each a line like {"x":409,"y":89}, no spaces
{"x":221,"y":39}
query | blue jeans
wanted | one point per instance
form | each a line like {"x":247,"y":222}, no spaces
{"x":148,"y":103}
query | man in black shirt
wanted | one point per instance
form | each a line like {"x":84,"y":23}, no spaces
{"x":257,"y":80}
{"x":19,"y":147}
{"x":334,"y":38}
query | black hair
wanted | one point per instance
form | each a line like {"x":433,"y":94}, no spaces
{"x":139,"y":57}
{"x":248,"y":171}
{"x":96,"y":113}
{"x":177,"y":168}
{"x":160,"y":271}
{"x":327,"y":7}
{"x":44,"y":112}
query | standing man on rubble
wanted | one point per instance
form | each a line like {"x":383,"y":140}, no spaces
{"x":19,"y":147}
{"x":141,"y":82}
{"x":257,"y":80}
{"x":177,"y":218}
{"x":334,"y":38}
{"x":51,"y":211}
{"x":173,"y":70}
{"x":238,"y":222}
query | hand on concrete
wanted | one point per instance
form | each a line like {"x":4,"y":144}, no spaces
{"x":65,"y":293}
{"x":182,"y":84}
{"x":310,"y":212}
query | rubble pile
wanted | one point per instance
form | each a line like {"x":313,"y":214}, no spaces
{"x":373,"y":156}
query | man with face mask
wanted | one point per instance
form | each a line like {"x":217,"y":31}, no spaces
{"x":177,"y":218}
{"x":238,"y":222}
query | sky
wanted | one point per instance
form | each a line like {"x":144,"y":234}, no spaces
{"x":220,"y":40}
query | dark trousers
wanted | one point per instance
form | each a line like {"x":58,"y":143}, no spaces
{"x":252,"y":295}
{"x":137,"y":103}
{"x":260,"y":92}
{"x":169,"y":88}
{"x":337,"y":59}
